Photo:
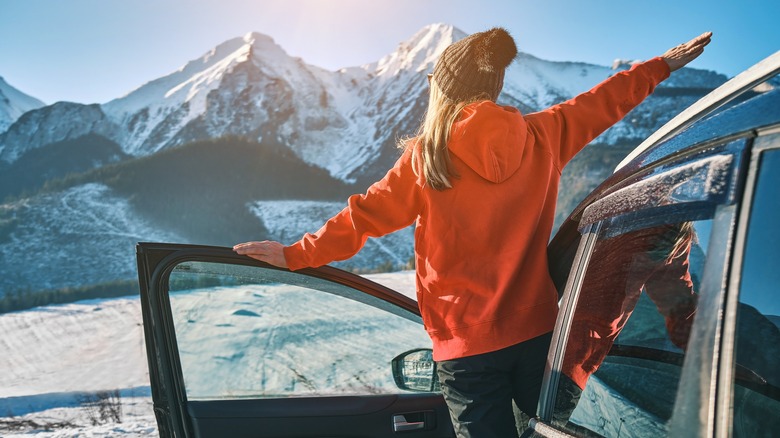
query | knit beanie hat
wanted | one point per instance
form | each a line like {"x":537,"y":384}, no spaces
{"x":475,"y":65}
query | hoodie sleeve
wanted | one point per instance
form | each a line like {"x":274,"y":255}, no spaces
{"x":389,"y":205}
{"x":567,"y":127}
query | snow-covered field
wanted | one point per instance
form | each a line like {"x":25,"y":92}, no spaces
{"x":55,"y":355}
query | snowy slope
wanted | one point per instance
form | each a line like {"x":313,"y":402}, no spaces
{"x":161,"y":108}
{"x":419,"y":53}
{"x":329,"y":119}
{"x":49,"y":345}
{"x":51,"y":124}
{"x":83,"y":235}
{"x":53,"y":353}
{"x":14,"y":103}
{"x":539,"y":83}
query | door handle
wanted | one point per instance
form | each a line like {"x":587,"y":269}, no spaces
{"x":400,"y":423}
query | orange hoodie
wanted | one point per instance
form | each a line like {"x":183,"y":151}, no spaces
{"x":481,"y":247}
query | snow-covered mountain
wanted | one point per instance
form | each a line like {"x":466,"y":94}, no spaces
{"x":339,"y":120}
{"x":14,"y":103}
{"x":250,"y":87}
{"x":346,"y":122}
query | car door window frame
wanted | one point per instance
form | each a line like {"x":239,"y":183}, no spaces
{"x":560,"y":334}
{"x":166,"y":364}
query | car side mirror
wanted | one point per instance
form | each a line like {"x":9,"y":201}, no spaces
{"x":415,"y":370}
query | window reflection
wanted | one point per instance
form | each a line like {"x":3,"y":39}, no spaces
{"x":630,"y":330}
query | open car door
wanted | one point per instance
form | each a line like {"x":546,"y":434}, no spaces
{"x":240,"y":348}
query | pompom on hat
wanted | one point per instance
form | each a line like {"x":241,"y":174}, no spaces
{"x":475,"y":65}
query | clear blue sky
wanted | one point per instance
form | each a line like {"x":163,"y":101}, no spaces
{"x":95,"y":50}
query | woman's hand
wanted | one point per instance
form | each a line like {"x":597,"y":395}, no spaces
{"x":677,"y":57}
{"x":266,"y":251}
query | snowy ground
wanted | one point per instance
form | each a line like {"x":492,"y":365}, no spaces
{"x":56,"y":355}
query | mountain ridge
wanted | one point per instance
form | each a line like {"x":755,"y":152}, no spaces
{"x":342,"y":127}
{"x":250,"y":86}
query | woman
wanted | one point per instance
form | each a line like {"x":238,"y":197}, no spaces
{"x":480,"y":182}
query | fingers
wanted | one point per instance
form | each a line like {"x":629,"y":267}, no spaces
{"x":678,"y":56}
{"x":266,"y":251}
{"x":253,"y":247}
{"x":699,"y":42}
{"x":704,"y":38}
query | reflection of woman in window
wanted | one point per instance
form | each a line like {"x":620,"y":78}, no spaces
{"x":655,"y":260}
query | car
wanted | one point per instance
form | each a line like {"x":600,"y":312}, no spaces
{"x":668,"y":320}
{"x":669,"y":316}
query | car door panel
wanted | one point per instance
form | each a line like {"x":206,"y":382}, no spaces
{"x":319,"y":417}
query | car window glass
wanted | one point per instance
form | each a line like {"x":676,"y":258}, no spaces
{"x":249,"y":332}
{"x":757,"y":373}
{"x":629,"y":331}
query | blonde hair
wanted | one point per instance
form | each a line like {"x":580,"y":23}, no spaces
{"x":686,"y":237}
{"x":434,"y":134}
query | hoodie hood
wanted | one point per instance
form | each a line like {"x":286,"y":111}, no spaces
{"x":489,"y":139}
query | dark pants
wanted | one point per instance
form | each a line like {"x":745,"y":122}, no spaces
{"x":479,"y":390}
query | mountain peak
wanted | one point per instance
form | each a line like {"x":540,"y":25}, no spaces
{"x":199,"y":75}
{"x":14,"y":103}
{"x":264,"y":45}
{"x":251,"y":37}
{"x":421,"y":51}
